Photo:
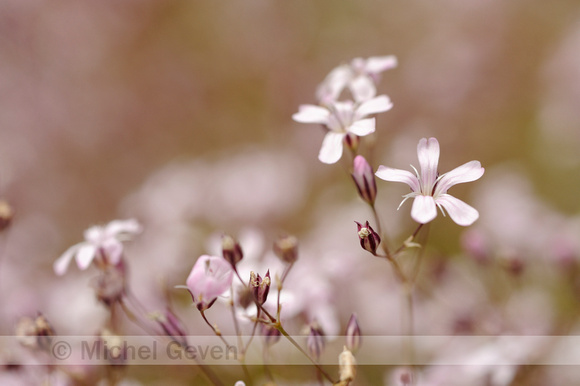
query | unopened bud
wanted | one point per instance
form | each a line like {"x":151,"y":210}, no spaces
{"x":231,"y":250}
{"x":6,"y":215}
{"x":315,"y":341}
{"x":271,"y":334}
{"x":369,"y":239}
{"x":364,"y":179}
{"x":171,"y":325}
{"x":286,"y":248}
{"x":260,"y":287}
{"x":245,"y":297}
{"x":109,"y":286}
{"x":347,"y":366}
{"x":35,"y":333}
{"x":353,"y":335}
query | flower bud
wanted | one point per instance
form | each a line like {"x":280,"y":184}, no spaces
{"x":364,"y":179}
{"x":353,"y":335}
{"x":6,"y":215}
{"x":260,"y":287}
{"x":245,"y":297}
{"x":171,"y":325}
{"x":347,"y":366}
{"x":109,"y":285}
{"x":271,"y":334}
{"x":114,"y":348}
{"x":286,"y":248}
{"x":315,"y":341}
{"x":369,"y":239}
{"x":352,"y":141}
{"x":231,"y":250}
{"x":35,"y":333}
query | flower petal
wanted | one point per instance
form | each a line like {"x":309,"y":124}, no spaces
{"x":362,"y":88}
{"x":376,"y":105}
{"x":331,"y":149}
{"x":458,"y":210}
{"x":61,"y":264}
{"x":428,"y":154}
{"x":424,"y":209}
{"x":398,"y":175}
{"x":377,"y":64}
{"x":363,"y":127}
{"x":85,"y":255}
{"x":467,"y":172}
{"x":116,"y":227}
{"x":311,"y":114}
{"x":329,"y":90}
{"x":113,"y":250}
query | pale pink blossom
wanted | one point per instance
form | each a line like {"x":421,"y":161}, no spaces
{"x":342,"y":118}
{"x":100,"y":242}
{"x":210,"y":277}
{"x":360,"y":77}
{"x":429,"y":189}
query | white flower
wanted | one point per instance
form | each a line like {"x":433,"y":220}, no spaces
{"x":430,"y":190}
{"x":342,"y":118}
{"x":100,"y":242}
{"x":360,"y":76}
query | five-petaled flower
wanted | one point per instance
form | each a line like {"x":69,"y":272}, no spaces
{"x":429,"y":189}
{"x":359,"y":76}
{"x":210,"y":277}
{"x":101,"y":243}
{"x":342,"y":118}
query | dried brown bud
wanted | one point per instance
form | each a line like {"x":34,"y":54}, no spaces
{"x":231,"y":250}
{"x":347,"y":366}
{"x":35,"y":333}
{"x":260,"y":287}
{"x":6,"y":214}
{"x":369,"y":239}
{"x":109,"y":286}
{"x":286,"y":248}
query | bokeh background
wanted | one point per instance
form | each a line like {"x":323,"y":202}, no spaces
{"x":178,"y":113}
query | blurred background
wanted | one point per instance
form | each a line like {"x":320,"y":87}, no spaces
{"x":178,"y":113}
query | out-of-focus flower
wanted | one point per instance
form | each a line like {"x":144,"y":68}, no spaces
{"x":210,"y":277}
{"x":35,"y":333}
{"x":231,"y":250}
{"x":271,"y":335}
{"x":6,"y":214}
{"x":342,"y":118}
{"x":353,"y":335}
{"x":286,"y":248}
{"x":430,"y":189}
{"x":369,"y":239}
{"x":360,"y":76}
{"x":101,"y":243}
{"x":315,"y":341}
{"x":364,"y":179}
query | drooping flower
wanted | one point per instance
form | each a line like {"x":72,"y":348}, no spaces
{"x":342,"y":118}
{"x":429,"y":190}
{"x":210,"y":277}
{"x":359,"y":76}
{"x":102,"y":243}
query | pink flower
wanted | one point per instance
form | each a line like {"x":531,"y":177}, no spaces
{"x":360,"y":77}
{"x":430,"y":190}
{"x":364,"y":179}
{"x":100,"y":242}
{"x":342,"y":118}
{"x":210,"y":277}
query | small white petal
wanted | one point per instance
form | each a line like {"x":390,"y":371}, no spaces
{"x":116,"y":227}
{"x":331,"y":149}
{"x":85,"y":255}
{"x":458,"y":210}
{"x":363,"y":127}
{"x":428,"y":154}
{"x":333,"y":84}
{"x":398,"y":175}
{"x":113,"y":250}
{"x":311,"y":114}
{"x":61,"y":264}
{"x":467,"y":172}
{"x":377,"y":64}
{"x":376,"y":105}
{"x":424,"y":209}
{"x":362,"y":88}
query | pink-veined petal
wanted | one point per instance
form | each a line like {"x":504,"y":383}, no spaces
{"x":398,"y":175}
{"x":116,"y":227}
{"x":311,"y":114}
{"x":331,"y":149}
{"x":61,"y":264}
{"x":458,"y":210}
{"x":428,"y":154}
{"x":85,"y":255}
{"x":467,"y":172}
{"x":377,"y":64}
{"x":363,"y":127}
{"x":424,"y":209}
{"x":376,"y":105}
{"x":362,"y":88}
